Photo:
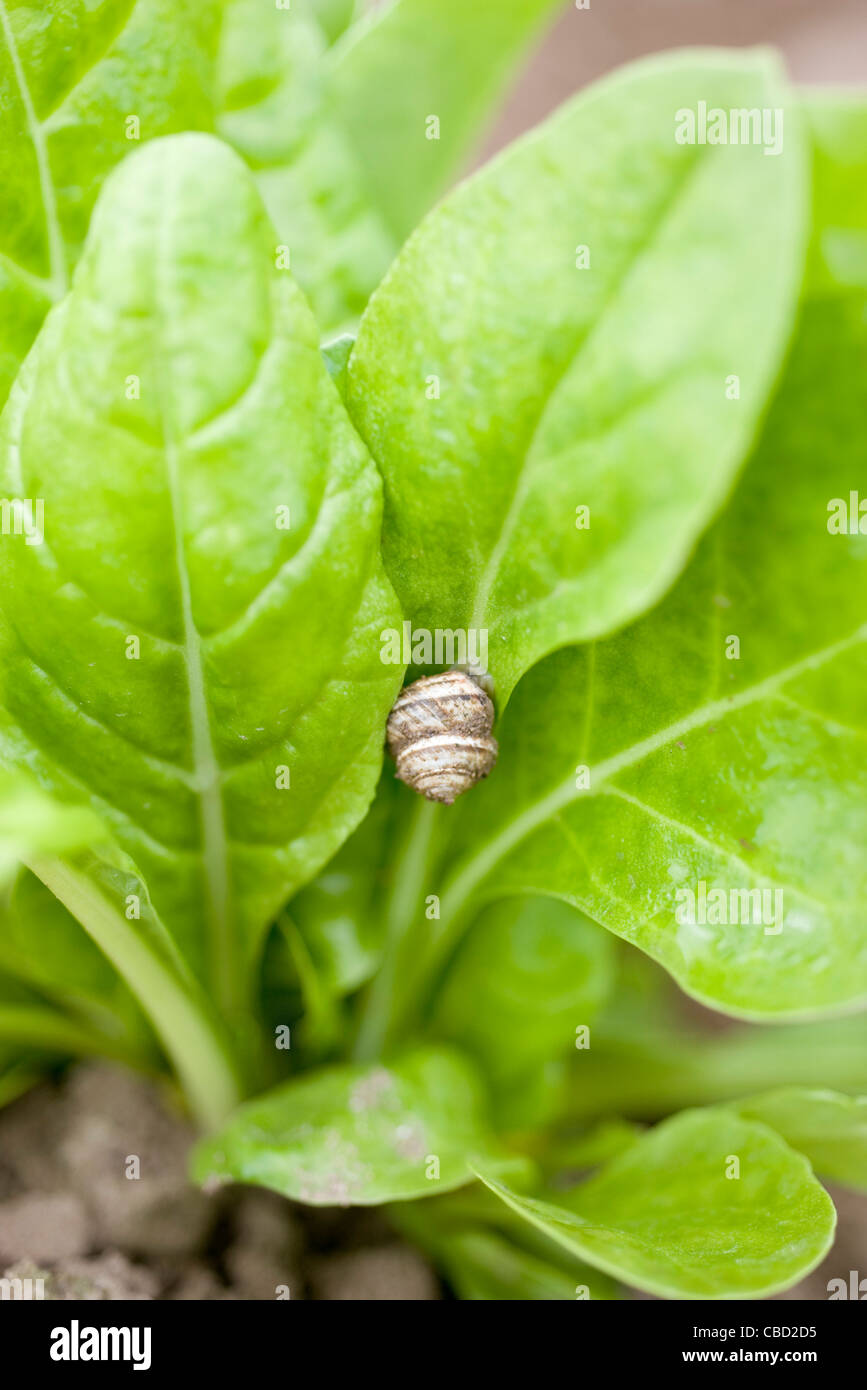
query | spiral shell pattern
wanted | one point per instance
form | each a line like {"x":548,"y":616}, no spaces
{"x":439,"y":734}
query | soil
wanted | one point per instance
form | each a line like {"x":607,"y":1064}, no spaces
{"x":94,"y":1200}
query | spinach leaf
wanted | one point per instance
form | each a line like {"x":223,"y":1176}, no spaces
{"x":416,"y":61}
{"x":335,"y":16}
{"x":529,"y":975}
{"x":340,"y":915}
{"x":273,"y":107}
{"x":564,"y":1154}
{"x":335,"y":355}
{"x":43,"y":949}
{"x":79,"y":85}
{"x":37,"y":1031}
{"x":359,"y":1135}
{"x":487,"y":1251}
{"x":646,"y":1067}
{"x":707,"y":1205}
{"x":482,"y":1265}
{"x":192,"y":650}
{"x":106,"y":894}
{"x":829,"y":1128}
{"x":837,"y":123}
{"x":31,"y":822}
{"x":744,"y":774}
{"x":66,"y":967}
{"x":338,"y":137}
{"x":504,"y":392}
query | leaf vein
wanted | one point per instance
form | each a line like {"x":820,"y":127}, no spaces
{"x":510,"y":517}
{"x":465,"y":879}
{"x":56,"y":253}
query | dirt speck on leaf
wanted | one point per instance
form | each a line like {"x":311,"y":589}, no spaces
{"x":409,"y":1141}
{"x":372,"y":1091}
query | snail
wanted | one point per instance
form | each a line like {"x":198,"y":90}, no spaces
{"x":439,"y":734}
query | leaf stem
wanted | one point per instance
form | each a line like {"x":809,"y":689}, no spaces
{"x":322,"y":1015}
{"x":45,"y":1030}
{"x":188,"y":1035}
{"x":380,"y":1006}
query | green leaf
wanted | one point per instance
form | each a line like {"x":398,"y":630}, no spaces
{"x":50,"y":1033}
{"x":321,"y":1021}
{"x":417,"y":59}
{"x":41,"y":943}
{"x":669,"y":1217}
{"x":340,"y":914}
{"x":95,"y":890}
{"x":529,"y":971}
{"x":335,"y":355}
{"x":35,"y":1030}
{"x":563,"y":1154}
{"x":42,"y":947}
{"x":71,"y":78}
{"x":837,"y":124}
{"x":501,"y":389}
{"x":481,"y":1265}
{"x":274,"y":108}
{"x":829,"y":1128}
{"x":486,"y":1251}
{"x":358,"y":1135}
{"x":335,"y":16}
{"x":646,"y":1069}
{"x":743,"y":775}
{"x":485,"y":1265}
{"x":193,"y":650}
{"x":650,"y":1055}
{"x":75,"y":79}
{"x":529,"y":974}
{"x":337,"y":136}
{"x":33,"y":823}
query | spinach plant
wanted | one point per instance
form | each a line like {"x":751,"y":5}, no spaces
{"x":604,"y":405}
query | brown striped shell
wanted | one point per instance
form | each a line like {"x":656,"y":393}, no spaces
{"x":439,"y":734}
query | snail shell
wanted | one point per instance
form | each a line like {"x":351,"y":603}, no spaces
{"x":439,"y":734}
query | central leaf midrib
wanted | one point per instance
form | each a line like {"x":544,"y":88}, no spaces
{"x":207,"y":770}
{"x":663,"y":212}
